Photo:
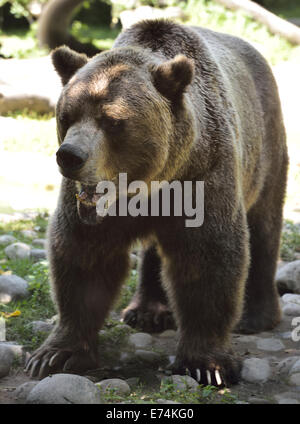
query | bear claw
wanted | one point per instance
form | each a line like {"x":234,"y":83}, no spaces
{"x":43,"y":362}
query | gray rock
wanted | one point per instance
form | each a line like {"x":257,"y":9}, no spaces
{"x":270,"y":344}
{"x":167,"y":402}
{"x":40,"y":243}
{"x":140,"y":340}
{"x":38,"y":254}
{"x":168,"y":334}
{"x":29,"y":234}
{"x":291,"y":298}
{"x":12,"y":287}
{"x":258,"y":401}
{"x":288,"y":278}
{"x":291,"y":309}
{"x":247,"y":339}
{"x":288,"y":401}
{"x":295,"y":367}
{"x":286,"y":395}
{"x":294,"y":379}
{"x":287,"y":335}
{"x":132,"y":382}
{"x":64,"y":389}
{"x":41,"y":327}
{"x":182,"y":383}
{"x":18,"y":251}
{"x":124,"y":328}
{"x":286,"y":364}
{"x":148,"y":356}
{"x":23,"y":391}
{"x":116,"y":385}
{"x":6,"y":360}
{"x":256,"y":370}
{"x":16,"y":349}
{"x":6,"y":239}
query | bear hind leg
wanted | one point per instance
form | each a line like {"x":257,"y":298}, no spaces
{"x":148,"y":309}
{"x":261,"y":304}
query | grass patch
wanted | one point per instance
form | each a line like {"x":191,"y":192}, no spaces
{"x":38,"y":305}
{"x":290,"y":241}
{"x":214,"y":16}
{"x":169,"y":391}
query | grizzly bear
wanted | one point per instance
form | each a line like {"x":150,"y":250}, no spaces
{"x":167,"y":102}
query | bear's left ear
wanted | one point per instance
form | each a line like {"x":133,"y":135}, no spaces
{"x":67,"y":62}
{"x":173,"y":76}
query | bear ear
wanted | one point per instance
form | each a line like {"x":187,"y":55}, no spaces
{"x":67,"y":62}
{"x":173,"y":76}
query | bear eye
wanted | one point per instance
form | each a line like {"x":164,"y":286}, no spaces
{"x":110,"y":124}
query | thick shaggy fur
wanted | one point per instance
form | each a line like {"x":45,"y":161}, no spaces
{"x":175,"y":103}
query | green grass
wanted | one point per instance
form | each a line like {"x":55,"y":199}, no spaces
{"x":167,"y":390}
{"x":214,"y":16}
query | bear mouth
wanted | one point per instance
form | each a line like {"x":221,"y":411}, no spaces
{"x":86,"y":204}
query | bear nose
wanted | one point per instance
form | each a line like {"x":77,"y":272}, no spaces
{"x":70,"y":157}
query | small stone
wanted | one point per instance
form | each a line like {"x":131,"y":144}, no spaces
{"x":258,"y":401}
{"x":116,"y":385}
{"x":256,"y":370}
{"x":286,"y":335}
{"x":40,"y":243}
{"x":64,"y":389}
{"x":291,"y":298}
{"x":29,"y":234}
{"x":286,"y":395}
{"x":247,"y":339}
{"x":6,"y":239}
{"x":270,"y":344}
{"x":182,"y":383}
{"x":12,"y":287}
{"x":133,"y":382}
{"x":286,"y":364}
{"x":41,"y":327}
{"x":6,"y":360}
{"x":124,"y":328}
{"x":288,"y":278}
{"x":148,"y":356}
{"x":37,"y":254}
{"x":17,"y":251}
{"x":167,"y":402}
{"x":23,"y":391}
{"x":295,"y":367}
{"x":16,"y":349}
{"x":168,"y":334}
{"x":291,"y":309}
{"x":287,"y":401}
{"x":294,"y":379}
{"x":140,"y":340}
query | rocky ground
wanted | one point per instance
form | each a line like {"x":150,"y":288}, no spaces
{"x":133,"y":363}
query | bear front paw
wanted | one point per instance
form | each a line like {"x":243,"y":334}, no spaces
{"x":50,"y":360}
{"x":220,"y":370}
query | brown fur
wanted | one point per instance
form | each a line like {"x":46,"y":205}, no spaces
{"x":176,"y":103}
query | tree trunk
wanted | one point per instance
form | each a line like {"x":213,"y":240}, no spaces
{"x":53,"y":26}
{"x":275,"y":24}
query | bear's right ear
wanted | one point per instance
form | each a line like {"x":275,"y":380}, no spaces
{"x":67,"y":62}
